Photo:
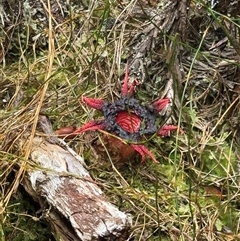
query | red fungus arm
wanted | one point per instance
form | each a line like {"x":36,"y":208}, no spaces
{"x":125,"y":90}
{"x":94,"y":103}
{"x":90,"y":126}
{"x":142,"y":150}
{"x":132,"y":87}
{"x":165,"y":130}
{"x":160,"y":104}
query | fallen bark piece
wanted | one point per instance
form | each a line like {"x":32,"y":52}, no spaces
{"x":76,"y":206}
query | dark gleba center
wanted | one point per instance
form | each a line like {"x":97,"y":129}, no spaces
{"x":128,"y":119}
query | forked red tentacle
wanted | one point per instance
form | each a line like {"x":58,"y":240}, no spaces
{"x":160,"y":104}
{"x":66,"y":132}
{"x":125,"y":89}
{"x":94,"y":103}
{"x":90,"y":126}
{"x":165,"y":130}
{"x":142,"y":150}
{"x":133,"y":87}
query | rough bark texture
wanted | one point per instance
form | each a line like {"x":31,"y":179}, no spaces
{"x":77,"y":208}
{"x":169,"y":19}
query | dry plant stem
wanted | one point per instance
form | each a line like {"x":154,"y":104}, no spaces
{"x":42,"y":93}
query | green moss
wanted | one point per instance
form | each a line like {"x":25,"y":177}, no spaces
{"x":21,"y":222}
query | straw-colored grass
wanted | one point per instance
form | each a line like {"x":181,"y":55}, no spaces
{"x":193,"y":193}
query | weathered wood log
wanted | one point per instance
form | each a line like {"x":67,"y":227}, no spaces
{"x":73,"y":203}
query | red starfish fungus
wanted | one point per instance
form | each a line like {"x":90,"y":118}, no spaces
{"x":127,"y":118}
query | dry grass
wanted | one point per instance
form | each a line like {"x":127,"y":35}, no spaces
{"x":193,"y":194}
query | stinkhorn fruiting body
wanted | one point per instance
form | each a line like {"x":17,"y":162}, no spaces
{"x":127,"y":119}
